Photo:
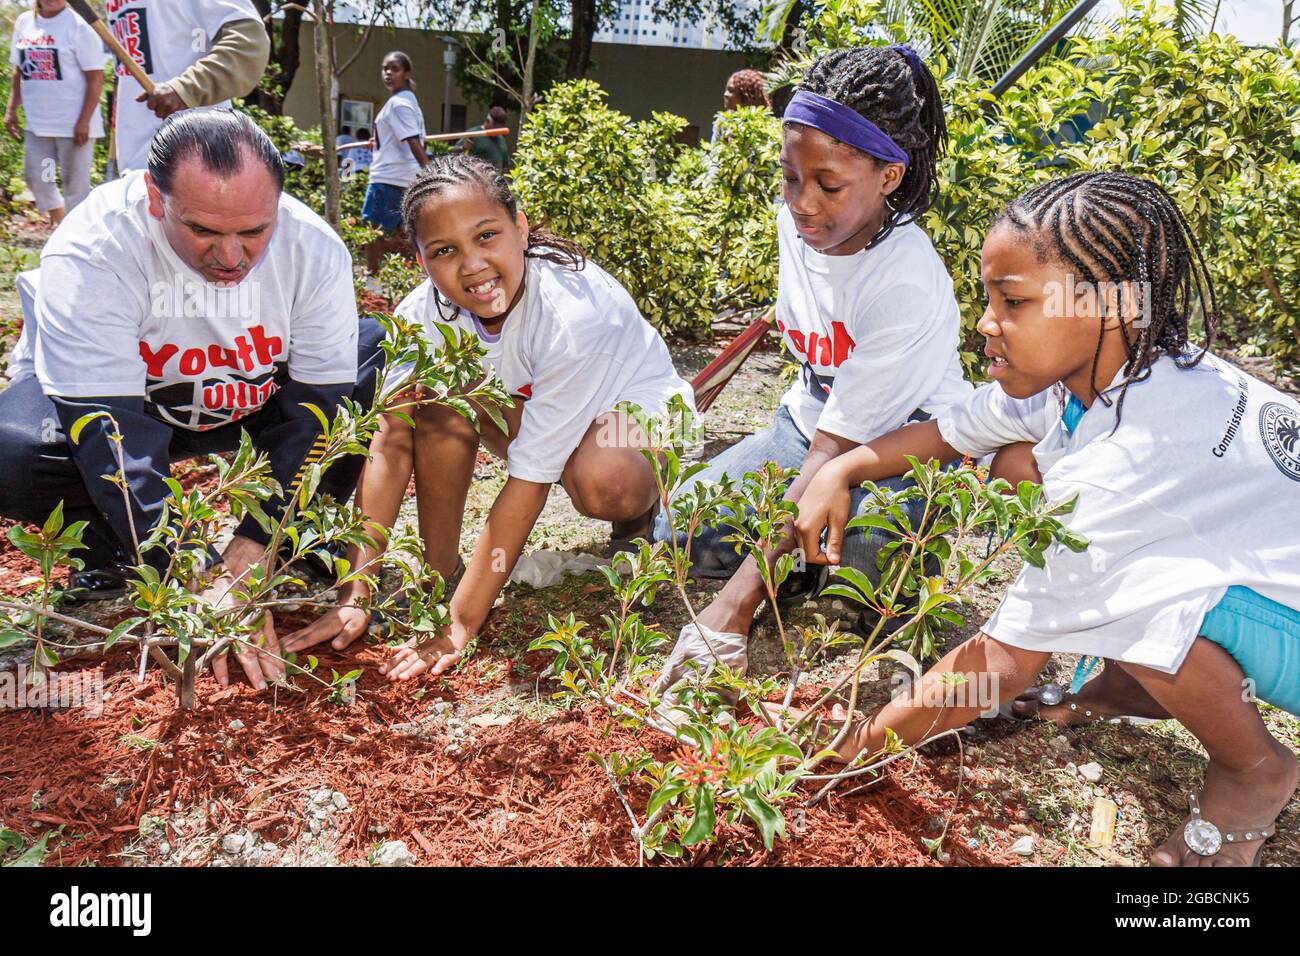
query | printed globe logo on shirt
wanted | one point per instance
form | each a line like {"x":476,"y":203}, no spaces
{"x":1279,"y":428}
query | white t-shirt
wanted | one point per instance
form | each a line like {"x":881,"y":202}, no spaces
{"x":882,"y":324}
{"x":400,"y":119}
{"x":119,"y":313}
{"x":165,"y":37}
{"x":574,"y":347}
{"x":1198,"y":489}
{"x":54,"y":55}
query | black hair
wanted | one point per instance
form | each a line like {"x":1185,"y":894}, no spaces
{"x":1122,"y":229}
{"x":405,"y":60}
{"x":455,"y":169}
{"x":224,"y":141}
{"x":900,"y":95}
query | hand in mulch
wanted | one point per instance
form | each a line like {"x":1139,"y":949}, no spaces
{"x":339,"y":625}
{"x":261,"y":664}
{"x":434,"y":655}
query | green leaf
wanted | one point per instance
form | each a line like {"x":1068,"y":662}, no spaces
{"x":116,"y":633}
{"x":35,"y":855}
{"x":74,"y":435}
{"x":705,"y":820}
{"x":769,"y":820}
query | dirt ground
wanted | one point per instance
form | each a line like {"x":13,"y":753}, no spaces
{"x":481,"y":767}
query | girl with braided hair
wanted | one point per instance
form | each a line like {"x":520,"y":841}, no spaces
{"x":1187,"y":480}
{"x":863,"y":301}
{"x":570,"y":346}
{"x":745,"y":88}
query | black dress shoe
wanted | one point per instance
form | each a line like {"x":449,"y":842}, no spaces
{"x":800,"y":586}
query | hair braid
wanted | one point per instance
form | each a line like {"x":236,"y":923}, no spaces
{"x":457,"y":169}
{"x":903,"y":100}
{"x":1127,"y":232}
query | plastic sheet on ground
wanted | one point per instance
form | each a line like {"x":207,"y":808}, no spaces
{"x":541,"y":569}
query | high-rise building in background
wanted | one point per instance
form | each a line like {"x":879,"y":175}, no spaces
{"x":635,"y":22}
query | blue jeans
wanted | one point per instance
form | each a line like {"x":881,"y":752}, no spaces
{"x":383,"y":206}
{"x":784,"y":444}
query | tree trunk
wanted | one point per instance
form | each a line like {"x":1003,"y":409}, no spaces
{"x":529,"y":64}
{"x":285,"y":59}
{"x":325,"y":82}
{"x":1287,"y":20}
{"x":582,"y":27}
{"x":790,"y":34}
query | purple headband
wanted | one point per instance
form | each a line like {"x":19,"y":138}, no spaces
{"x":848,"y":125}
{"x":844,"y":124}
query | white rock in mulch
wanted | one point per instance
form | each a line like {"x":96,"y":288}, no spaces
{"x":394,"y":853}
{"x":1071,"y":769}
{"x":1061,"y":742}
{"x":232,"y":843}
{"x":340,"y":801}
{"x":236,"y":724}
{"x":440,"y":708}
{"x":1024,"y":846}
{"x":492,"y":720}
{"x":1091,"y":772}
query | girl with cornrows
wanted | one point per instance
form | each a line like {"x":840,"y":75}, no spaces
{"x":568,"y":343}
{"x":1187,"y":477}
{"x":863,"y":302}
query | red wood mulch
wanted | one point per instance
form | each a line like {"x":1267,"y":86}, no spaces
{"x":450,"y":810}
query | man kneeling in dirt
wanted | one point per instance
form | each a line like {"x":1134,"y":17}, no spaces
{"x":189,"y":301}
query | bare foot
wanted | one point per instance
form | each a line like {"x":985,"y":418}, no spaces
{"x":1240,"y":802}
{"x":1114,"y":693}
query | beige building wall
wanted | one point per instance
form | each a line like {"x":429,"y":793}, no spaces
{"x":639,"y":79}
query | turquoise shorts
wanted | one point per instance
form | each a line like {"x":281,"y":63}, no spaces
{"x":1263,"y":636}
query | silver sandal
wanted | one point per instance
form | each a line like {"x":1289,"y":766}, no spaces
{"x":1205,"y":839}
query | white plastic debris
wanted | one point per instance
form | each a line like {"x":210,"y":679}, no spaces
{"x":394,"y":853}
{"x":542,"y":569}
{"x":1024,"y":846}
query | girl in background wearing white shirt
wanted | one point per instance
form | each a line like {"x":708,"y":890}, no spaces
{"x":58,"y":76}
{"x":568,"y":343}
{"x":863,"y":300}
{"x":1187,"y":477}
{"x":398,"y":156}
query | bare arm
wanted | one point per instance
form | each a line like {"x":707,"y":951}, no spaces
{"x":826,"y":502}
{"x":94,"y":87}
{"x":417,"y":150}
{"x":15,"y":101}
{"x":745,"y":591}
{"x":498,"y":548}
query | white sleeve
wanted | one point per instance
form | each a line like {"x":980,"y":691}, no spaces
{"x":211,"y":15}
{"x":88,"y":341}
{"x":405,"y":120}
{"x":90,"y":53}
{"x":568,"y":391}
{"x":323,"y":326}
{"x":901,"y":357}
{"x":991,"y":419}
{"x":1116,"y":599}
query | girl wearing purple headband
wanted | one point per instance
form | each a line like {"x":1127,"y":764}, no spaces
{"x":863,"y":301}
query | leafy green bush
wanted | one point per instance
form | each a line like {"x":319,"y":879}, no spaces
{"x":592,"y":175}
